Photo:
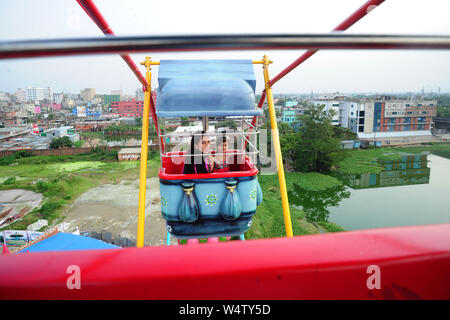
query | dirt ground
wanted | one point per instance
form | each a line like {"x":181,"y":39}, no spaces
{"x":114,"y":208}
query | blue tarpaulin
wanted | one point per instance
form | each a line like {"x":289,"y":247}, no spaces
{"x":67,"y":241}
{"x":206,"y":88}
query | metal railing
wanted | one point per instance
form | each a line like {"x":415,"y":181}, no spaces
{"x":123,"y":45}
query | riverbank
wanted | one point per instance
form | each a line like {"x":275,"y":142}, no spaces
{"x":360,"y":161}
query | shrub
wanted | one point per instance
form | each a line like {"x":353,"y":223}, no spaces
{"x":9,"y":181}
{"x":48,"y":209}
{"x":63,"y":142}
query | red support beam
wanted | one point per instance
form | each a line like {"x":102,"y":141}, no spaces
{"x":347,"y":23}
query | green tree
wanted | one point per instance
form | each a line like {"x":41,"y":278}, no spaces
{"x":315,"y":146}
{"x":59,"y":143}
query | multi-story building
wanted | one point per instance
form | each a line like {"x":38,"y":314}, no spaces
{"x":131,"y":108}
{"x":36,"y":93}
{"x":389,"y":120}
{"x":88,"y":94}
{"x":110,"y":98}
{"x":403,"y":115}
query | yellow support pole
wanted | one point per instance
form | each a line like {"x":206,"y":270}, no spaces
{"x":277,"y":147}
{"x":144,"y":151}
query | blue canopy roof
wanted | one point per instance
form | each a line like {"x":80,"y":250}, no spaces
{"x":67,"y":241}
{"x":206,"y":88}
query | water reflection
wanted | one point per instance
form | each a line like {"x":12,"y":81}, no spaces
{"x":316,"y":204}
{"x":410,"y":169}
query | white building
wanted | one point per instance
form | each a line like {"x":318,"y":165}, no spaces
{"x":38,"y":94}
{"x":60,"y":132}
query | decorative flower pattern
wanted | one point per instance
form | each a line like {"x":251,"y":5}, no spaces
{"x":163,"y":202}
{"x":253,"y":194}
{"x":211,"y":200}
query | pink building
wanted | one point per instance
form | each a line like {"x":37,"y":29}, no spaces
{"x":131,"y":108}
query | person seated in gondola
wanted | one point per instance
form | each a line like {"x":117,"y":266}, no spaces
{"x":221,"y":159}
{"x":199,"y":160}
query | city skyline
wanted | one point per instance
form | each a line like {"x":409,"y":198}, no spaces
{"x":327,"y":71}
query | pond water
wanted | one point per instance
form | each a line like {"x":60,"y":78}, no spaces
{"x":412,"y":191}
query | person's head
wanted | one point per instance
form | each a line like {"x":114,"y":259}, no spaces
{"x":222,"y":144}
{"x":200,"y":143}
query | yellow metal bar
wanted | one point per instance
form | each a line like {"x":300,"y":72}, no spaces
{"x":144,"y":151}
{"x":277,"y":147}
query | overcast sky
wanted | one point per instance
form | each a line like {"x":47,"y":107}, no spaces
{"x":326,"y":71}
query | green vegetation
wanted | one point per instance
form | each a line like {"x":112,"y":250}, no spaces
{"x":314,"y":145}
{"x":26,"y":157}
{"x":5,"y":161}
{"x":9,"y":181}
{"x":78,"y":144}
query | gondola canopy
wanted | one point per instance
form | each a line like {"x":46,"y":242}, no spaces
{"x":206,"y":88}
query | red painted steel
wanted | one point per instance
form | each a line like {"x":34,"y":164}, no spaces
{"x":347,"y":23}
{"x":414,"y":263}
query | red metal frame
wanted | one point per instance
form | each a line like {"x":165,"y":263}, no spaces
{"x":414,"y":263}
